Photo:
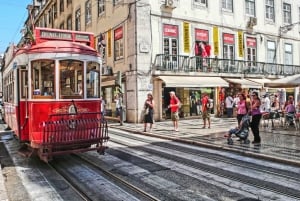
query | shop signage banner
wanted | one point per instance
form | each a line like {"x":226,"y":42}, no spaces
{"x":228,"y":38}
{"x":186,"y":37}
{"x":170,"y":30}
{"x":109,"y":43}
{"x":201,"y":35}
{"x":240,"y":44}
{"x":216,"y":40}
{"x":251,"y":42}
{"x":118,"y":33}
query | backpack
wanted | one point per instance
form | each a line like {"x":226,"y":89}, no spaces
{"x":178,"y":101}
{"x":210,"y":103}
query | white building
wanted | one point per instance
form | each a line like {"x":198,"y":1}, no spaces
{"x":156,"y":45}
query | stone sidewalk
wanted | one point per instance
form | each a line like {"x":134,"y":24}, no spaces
{"x":277,"y":144}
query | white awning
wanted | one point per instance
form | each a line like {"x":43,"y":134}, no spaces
{"x":245,"y":83}
{"x":261,"y":81}
{"x":192,"y":81}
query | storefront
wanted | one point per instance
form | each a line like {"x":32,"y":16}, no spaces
{"x":189,"y":90}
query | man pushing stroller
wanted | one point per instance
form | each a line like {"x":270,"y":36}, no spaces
{"x":242,"y":131}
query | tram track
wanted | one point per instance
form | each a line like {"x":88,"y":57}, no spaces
{"x":99,"y":173}
{"x":232,"y":161}
{"x":261,"y":184}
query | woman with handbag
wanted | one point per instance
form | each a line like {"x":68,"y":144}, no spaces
{"x":148,"y":112}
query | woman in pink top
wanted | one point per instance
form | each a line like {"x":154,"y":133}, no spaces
{"x":241,"y":107}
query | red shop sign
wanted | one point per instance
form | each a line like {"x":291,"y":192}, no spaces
{"x":170,"y":30}
{"x":201,"y":35}
{"x":251,"y":42}
{"x":228,"y":38}
{"x":118,"y":33}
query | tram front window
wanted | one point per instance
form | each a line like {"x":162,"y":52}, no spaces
{"x":43,"y":79}
{"x":71,"y":79}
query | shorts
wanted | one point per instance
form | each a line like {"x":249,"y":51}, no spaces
{"x":174,"y":116}
{"x":205,"y":115}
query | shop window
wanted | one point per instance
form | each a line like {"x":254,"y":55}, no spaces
{"x":92,"y":80}
{"x":43,"y":79}
{"x":71,"y":79}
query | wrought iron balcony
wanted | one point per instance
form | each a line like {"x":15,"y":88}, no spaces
{"x":180,"y":63}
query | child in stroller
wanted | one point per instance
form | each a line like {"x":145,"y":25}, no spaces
{"x":242,"y":131}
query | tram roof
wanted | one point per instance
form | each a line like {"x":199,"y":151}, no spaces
{"x":55,"y":46}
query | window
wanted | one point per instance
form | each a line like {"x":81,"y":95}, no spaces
{"x":101,"y":7}
{"x":119,"y":43}
{"x":88,"y":12}
{"x":200,"y":3}
{"x":69,"y":2}
{"x":250,"y":7}
{"x":92,"y":80}
{"x":227,"y":5}
{"x":43,"y":79}
{"x":270,"y":14}
{"x":287,"y":13}
{"x":116,"y":2}
{"x":61,"y":6}
{"x":54,"y":10}
{"x":69,"y":22}
{"x":77,"y":20}
{"x":71,"y":79}
{"x":288,"y":58}
{"x":50,"y":16}
{"x":62,"y":25}
{"x":271,"y":56}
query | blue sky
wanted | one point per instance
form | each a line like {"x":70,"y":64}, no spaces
{"x":13,"y":14}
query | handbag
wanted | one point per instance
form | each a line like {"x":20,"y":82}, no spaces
{"x":146,"y":111}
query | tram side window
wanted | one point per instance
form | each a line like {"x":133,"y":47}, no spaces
{"x":71,"y":79}
{"x":92,"y":80}
{"x":43,"y":79}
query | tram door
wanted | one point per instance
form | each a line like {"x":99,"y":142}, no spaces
{"x":23,"y":85}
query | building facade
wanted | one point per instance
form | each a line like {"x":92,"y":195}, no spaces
{"x":187,"y":46}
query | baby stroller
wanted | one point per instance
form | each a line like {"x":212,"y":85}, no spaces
{"x":242,"y":132}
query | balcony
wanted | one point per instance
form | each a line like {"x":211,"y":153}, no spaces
{"x":223,"y":67}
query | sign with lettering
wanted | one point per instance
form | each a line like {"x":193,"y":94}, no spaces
{"x":186,"y":37}
{"x":240,"y":44}
{"x":251,"y":42}
{"x":118,"y":33}
{"x":56,"y":35}
{"x":216,"y":40}
{"x":82,"y":37}
{"x":228,"y":38}
{"x":201,"y":35}
{"x":170,"y":30}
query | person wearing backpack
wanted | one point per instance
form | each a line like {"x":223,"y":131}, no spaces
{"x":174,"y":107}
{"x":205,"y":110}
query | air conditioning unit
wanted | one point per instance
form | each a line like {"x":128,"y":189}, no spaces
{"x":253,"y":21}
{"x":170,"y":3}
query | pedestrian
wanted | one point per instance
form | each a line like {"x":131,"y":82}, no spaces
{"x":118,"y":101}
{"x":149,"y":107}
{"x":242,"y":109}
{"x":275,"y":104}
{"x":256,"y":116}
{"x":205,"y":110}
{"x":229,"y":105}
{"x":174,"y":107}
{"x":103,"y":104}
{"x":266,"y":103}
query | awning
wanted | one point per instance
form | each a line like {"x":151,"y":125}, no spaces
{"x":192,"y":81}
{"x":261,"y":81}
{"x":286,"y":82}
{"x":245,"y":83}
{"x":108,"y":83}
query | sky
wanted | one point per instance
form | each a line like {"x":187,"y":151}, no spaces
{"x":13,"y":14}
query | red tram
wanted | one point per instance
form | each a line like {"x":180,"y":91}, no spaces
{"x":51,"y":94}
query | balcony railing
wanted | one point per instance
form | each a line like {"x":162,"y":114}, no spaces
{"x":181,"y":63}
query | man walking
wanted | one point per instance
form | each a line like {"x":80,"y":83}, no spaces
{"x":205,"y":110}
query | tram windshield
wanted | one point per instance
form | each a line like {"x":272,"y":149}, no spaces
{"x":74,"y":82}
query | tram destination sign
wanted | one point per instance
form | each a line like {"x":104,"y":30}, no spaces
{"x":56,"y":35}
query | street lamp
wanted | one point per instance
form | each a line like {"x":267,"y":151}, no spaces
{"x":287,"y":28}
